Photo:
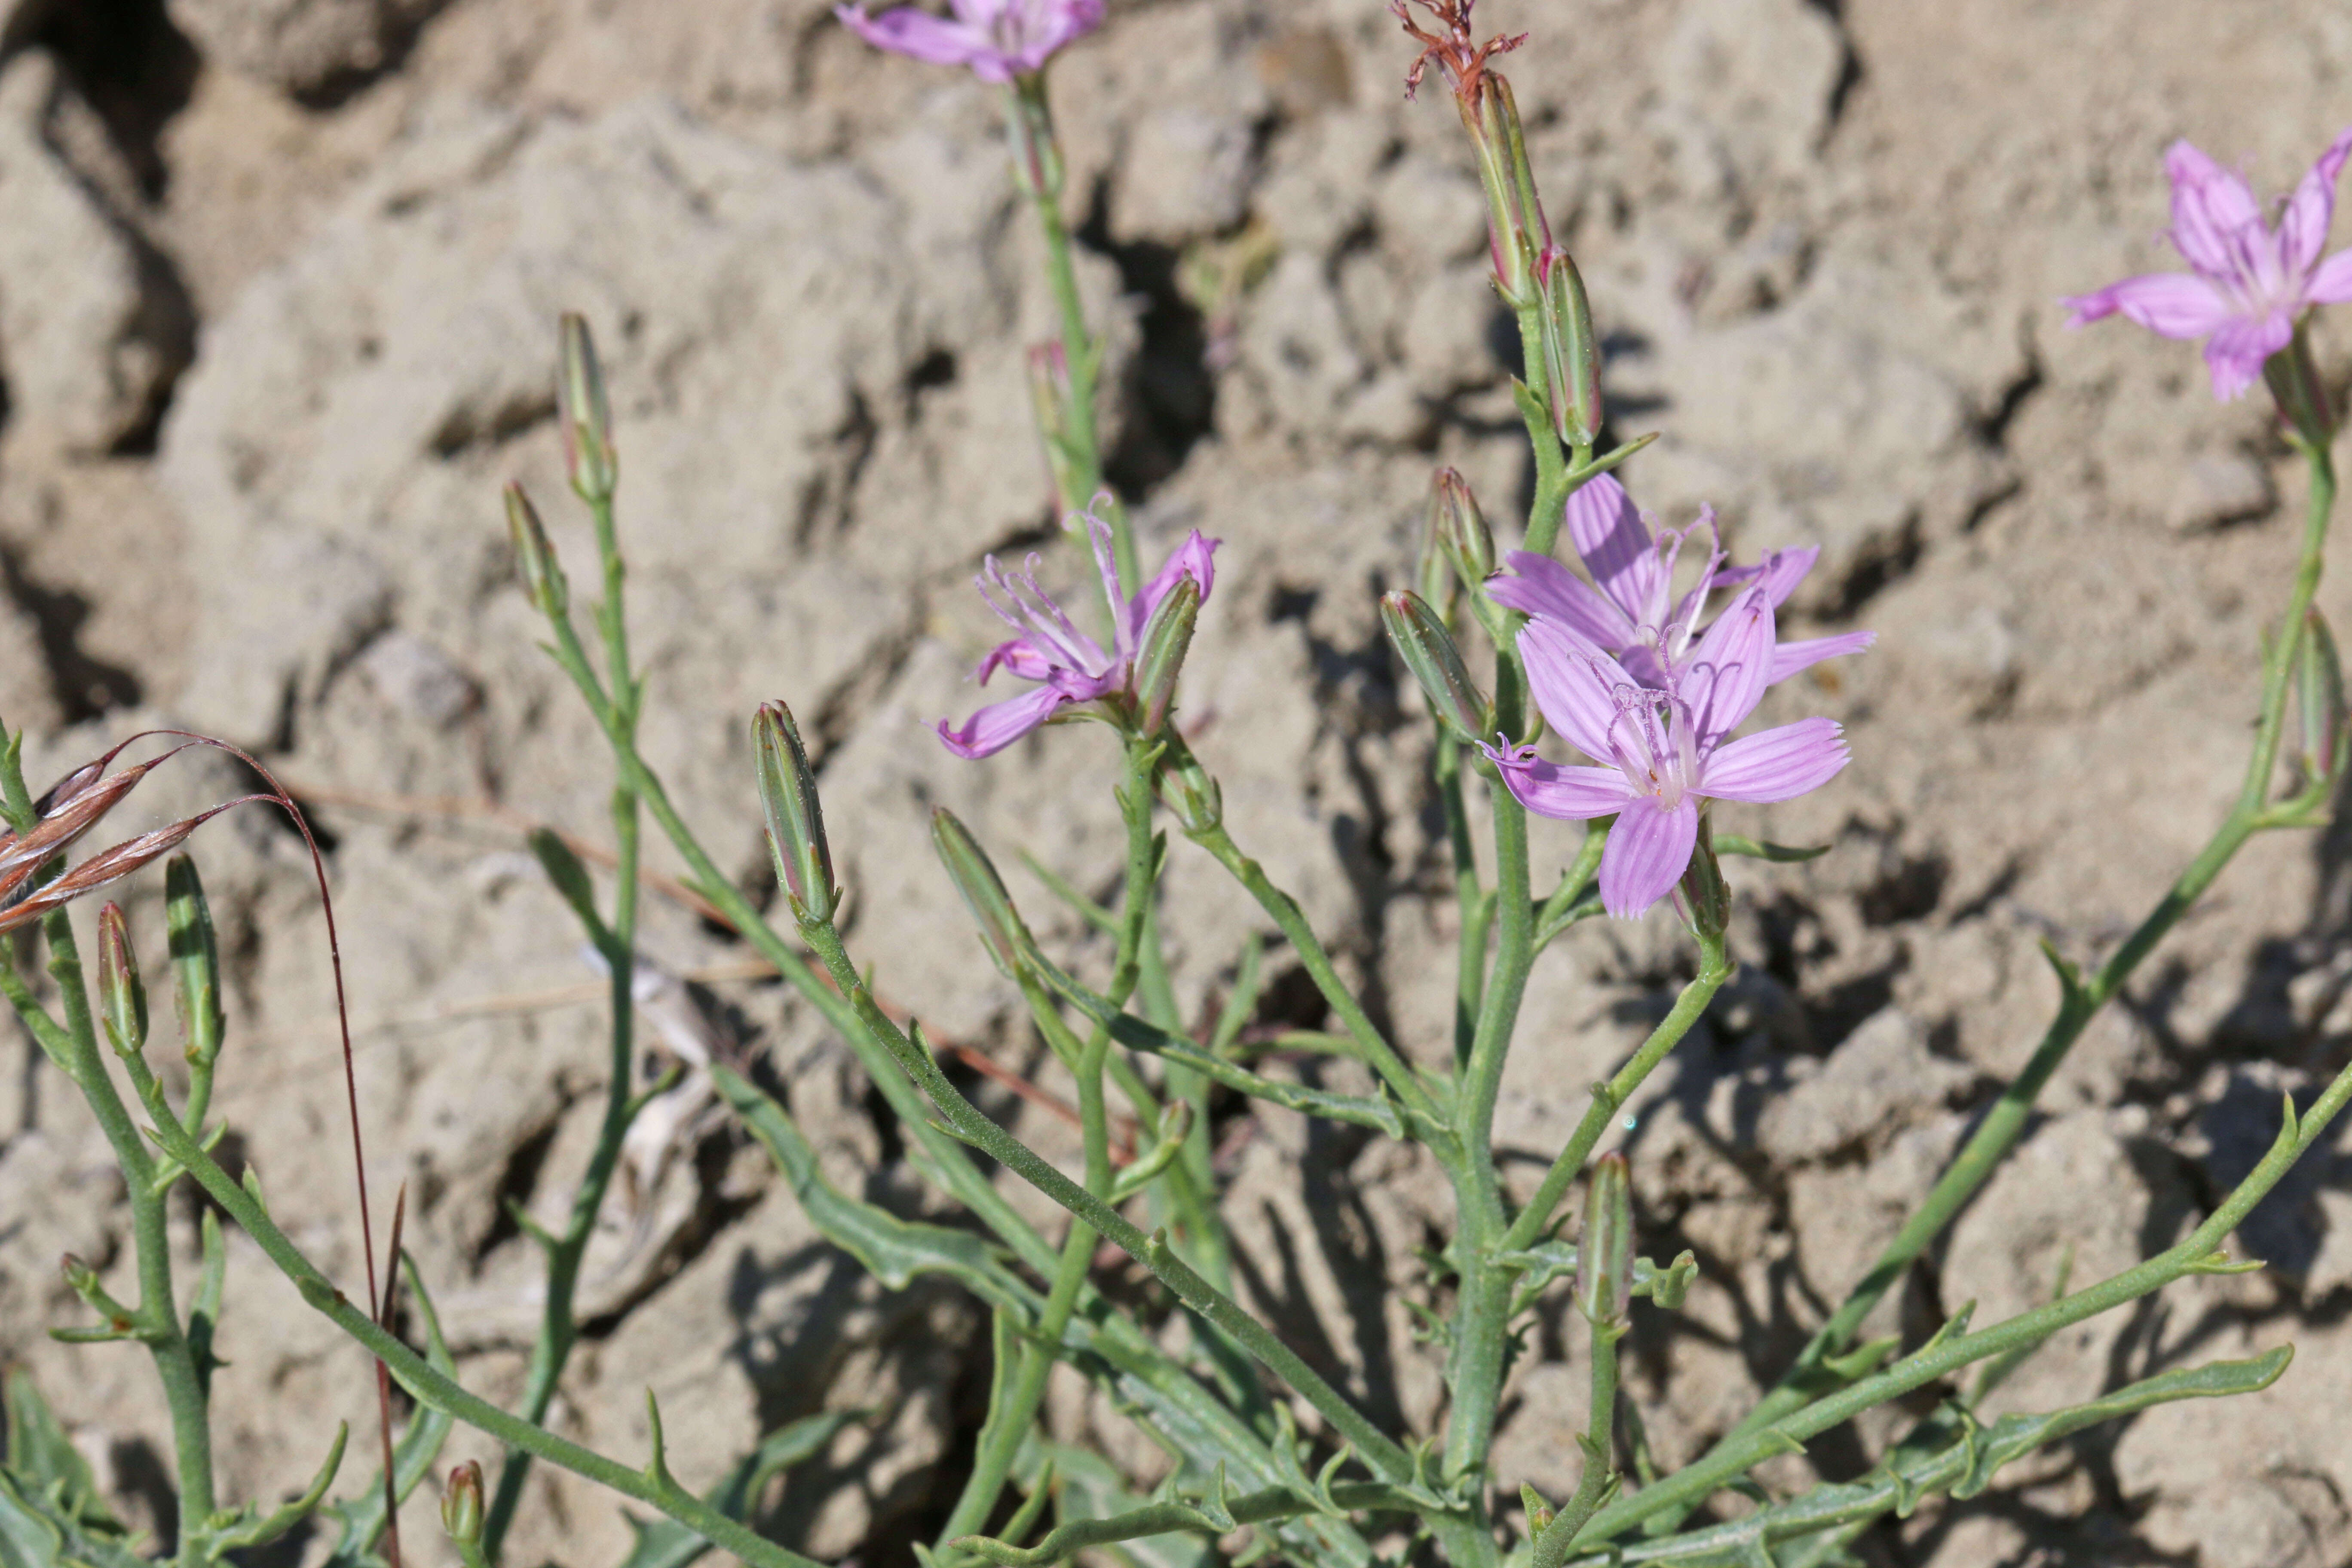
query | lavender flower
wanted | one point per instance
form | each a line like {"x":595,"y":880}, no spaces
{"x":2248,"y":282}
{"x":1633,"y":616}
{"x":999,"y":39}
{"x":1665,"y":750}
{"x":1068,"y":665}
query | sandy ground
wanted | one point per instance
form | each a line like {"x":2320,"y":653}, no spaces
{"x":277,"y":287}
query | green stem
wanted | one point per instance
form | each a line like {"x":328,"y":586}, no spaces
{"x":1008,"y":1426}
{"x":651,"y":1485}
{"x":1469,"y":898}
{"x":1378,"y":1054}
{"x":1274,"y":1503}
{"x":2006,"y":1122}
{"x":940,"y":1158}
{"x":1553,"y":478}
{"x":1079,"y":469}
{"x":557,"y":1333}
{"x":1481,"y":1329}
{"x":1378,"y":1450}
{"x":1592,"y":1489}
{"x":1188,"y":1197}
{"x":1715,"y":967}
{"x":157,"y":1315}
{"x":1941,"y":1357}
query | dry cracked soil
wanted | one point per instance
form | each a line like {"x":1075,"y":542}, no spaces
{"x":278,"y":288}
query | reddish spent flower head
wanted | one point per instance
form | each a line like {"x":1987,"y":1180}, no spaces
{"x":2249,"y":280}
{"x":998,"y":40}
{"x":1454,"y":46}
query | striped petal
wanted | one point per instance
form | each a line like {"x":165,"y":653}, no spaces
{"x":1648,"y":851}
{"x":1539,"y":586}
{"x":1775,"y":764}
{"x":1574,"y":684}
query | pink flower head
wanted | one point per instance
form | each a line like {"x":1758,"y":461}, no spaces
{"x":1047,"y":647}
{"x":999,"y":39}
{"x":1634,"y":616}
{"x":1662,"y":751}
{"x":2248,"y":281}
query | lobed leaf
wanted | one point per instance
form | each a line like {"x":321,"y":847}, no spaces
{"x":666,"y":1543}
{"x":38,"y":1529}
{"x":1964,"y":1467}
{"x":1182,"y":1413}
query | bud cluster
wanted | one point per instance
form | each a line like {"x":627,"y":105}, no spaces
{"x":1534,"y":276}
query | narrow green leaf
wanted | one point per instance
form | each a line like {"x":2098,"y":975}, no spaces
{"x":568,"y":877}
{"x":1761,"y":849}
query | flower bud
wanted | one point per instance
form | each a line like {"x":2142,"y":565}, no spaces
{"x":1036,"y":152}
{"x":1571,"y":356}
{"x":1167,"y":636}
{"x":1422,"y":640}
{"x":120,"y":997}
{"x":1001,"y":930}
{"x":1706,"y":897}
{"x":1189,"y":791}
{"x":1461,"y":528}
{"x":1433,"y":575}
{"x":461,"y":1504}
{"x":1604,"y":1254}
{"x":196,"y":960}
{"x":795,"y":817}
{"x":2293,"y":375}
{"x":1517,"y":232}
{"x":2319,"y":693}
{"x":585,"y":414}
{"x":542,"y":574}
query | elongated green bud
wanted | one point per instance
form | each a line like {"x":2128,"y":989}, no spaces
{"x":2319,"y":693}
{"x":1517,"y":231}
{"x":1187,"y":790}
{"x":1422,"y":640}
{"x":586,"y":414}
{"x":1167,"y":637}
{"x":795,"y":819}
{"x":2293,"y":375}
{"x":1571,"y":356}
{"x":542,"y":574}
{"x":195,"y":960}
{"x":1433,"y":573}
{"x":121,"y":998}
{"x":1604,"y":1254}
{"x":1706,"y":897}
{"x":1001,"y":930}
{"x":461,"y":1504}
{"x":1461,"y":528}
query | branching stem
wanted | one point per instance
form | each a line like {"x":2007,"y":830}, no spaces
{"x":2079,"y":1001}
{"x":615,"y":942}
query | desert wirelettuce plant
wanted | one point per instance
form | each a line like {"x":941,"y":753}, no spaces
{"x":1648,"y":665}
